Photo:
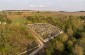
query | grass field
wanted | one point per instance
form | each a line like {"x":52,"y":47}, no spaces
{"x":14,"y":15}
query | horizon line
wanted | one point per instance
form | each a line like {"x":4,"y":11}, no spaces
{"x":40,"y":10}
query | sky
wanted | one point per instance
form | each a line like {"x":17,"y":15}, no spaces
{"x":49,"y":5}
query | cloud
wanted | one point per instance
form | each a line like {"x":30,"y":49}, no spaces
{"x":32,"y":5}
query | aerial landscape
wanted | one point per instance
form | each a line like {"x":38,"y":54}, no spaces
{"x":29,"y":27}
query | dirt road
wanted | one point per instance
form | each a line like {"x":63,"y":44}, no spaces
{"x":41,"y":44}
{"x":39,"y":40}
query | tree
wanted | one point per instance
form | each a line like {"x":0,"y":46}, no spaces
{"x":59,"y":46}
{"x":77,"y":50}
{"x":48,"y":52}
{"x":70,"y":32}
{"x":82,"y":34}
{"x":62,"y":37}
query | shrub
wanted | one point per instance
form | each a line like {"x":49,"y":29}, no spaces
{"x":77,"y":50}
{"x":59,"y":46}
{"x":62,"y":37}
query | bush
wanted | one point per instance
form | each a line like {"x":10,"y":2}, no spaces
{"x":77,"y":50}
{"x":69,"y":32}
{"x":14,"y":39}
{"x":59,"y":46}
{"x":62,"y":37}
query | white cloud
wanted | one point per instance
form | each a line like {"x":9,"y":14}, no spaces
{"x":32,"y":5}
{"x":41,"y":5}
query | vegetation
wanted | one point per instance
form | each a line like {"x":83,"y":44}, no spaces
{"x":15,"y":39}
{"x":71,"y":42}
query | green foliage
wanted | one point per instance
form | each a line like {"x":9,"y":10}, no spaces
{"x":20,"y":21}
{"x":4,"y":19}
{"x":72,"y":42}
{"x":77,"y":50}
{"x":82,"y":34}
{"x":82,"y":17}
{"x":62,"y":38}
{"x":48,"y":52}
{"x":74,"y":30}
{"x":70,"y":32}
{"x":14,"y":39}
{"x":59,"y":46}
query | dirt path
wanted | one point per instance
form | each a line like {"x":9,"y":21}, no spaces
{"x":38,"y":40}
